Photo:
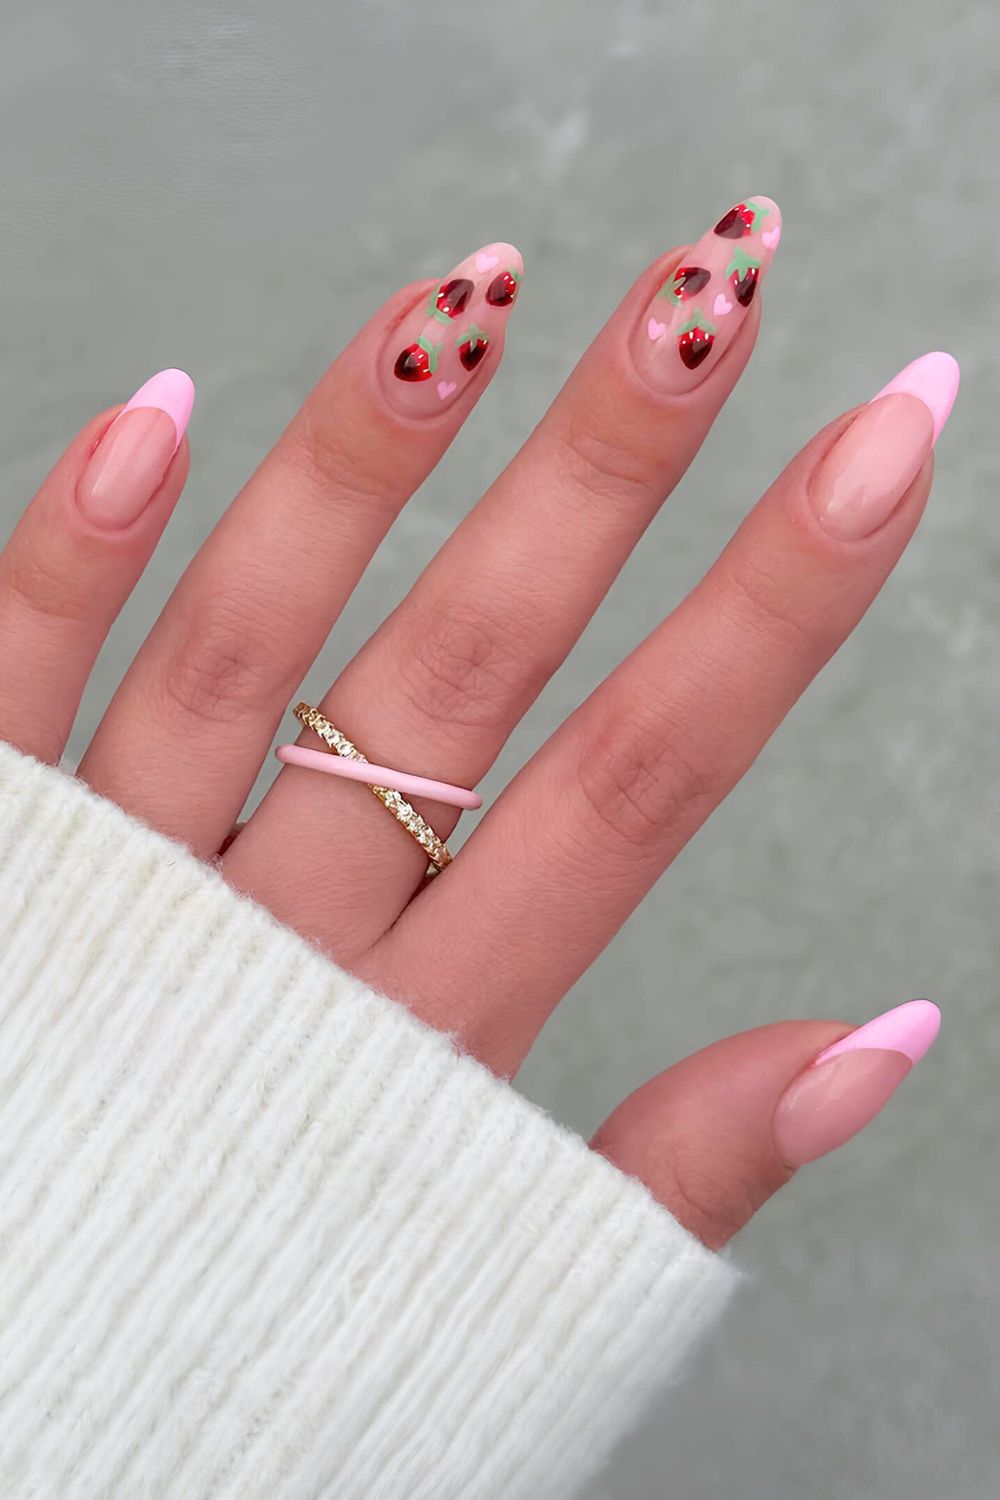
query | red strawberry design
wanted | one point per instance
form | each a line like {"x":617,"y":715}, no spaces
{"x":503,"y":289}
{"x":418,"y":362}
{"x":744,"y":273}
{"x":472,"y":346}
{"x":451,"y":299}
{"x":740,"y":220}
{"x":687,"y":282}
{"x":695,"y":340}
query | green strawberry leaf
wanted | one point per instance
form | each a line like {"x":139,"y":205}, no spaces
{"x":471,"y":335}
{"x":697,"y":321}
{"x":758,"y":212}
{"x":741,"y":263}
{"x":433,"y":352}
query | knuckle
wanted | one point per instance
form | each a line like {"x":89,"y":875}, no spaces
{"x":713,"y":1204}
{"x":640,"y":778}
{"x":462,"y":669}
{"x":329,"y":459}
{"x":775,"y":616}
{"x":603,"y":467}
{"x":45,"y":593}
{"x":223,"y":669}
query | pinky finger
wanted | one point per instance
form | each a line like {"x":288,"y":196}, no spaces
{"x":78,"y":552}
{"x":718,"y":1134}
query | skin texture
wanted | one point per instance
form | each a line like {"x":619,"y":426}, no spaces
{"x":489,"y":948}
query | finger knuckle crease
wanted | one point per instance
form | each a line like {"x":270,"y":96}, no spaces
{"x":460,"y":670}
{"x":600,"y":467}
{"x":760,"y":594}
{"x":325,"y":454}
{"x":223,"y":669}
{"x":639,"y":779}
{"x":47,"y":595}
{"x":714,"y":1208}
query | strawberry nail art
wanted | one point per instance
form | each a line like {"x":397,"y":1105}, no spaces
{"x":687,"y":282}
{"x":456,"y":335}
{"x":697,"y":312}
{"x":743,"y":219}
{"x":694,"y":340}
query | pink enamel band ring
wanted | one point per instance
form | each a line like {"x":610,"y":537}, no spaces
{"x":383,"y":782}
{"x":364,"y":770}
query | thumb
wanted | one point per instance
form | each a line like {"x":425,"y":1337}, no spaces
{"x":714,"y":1136}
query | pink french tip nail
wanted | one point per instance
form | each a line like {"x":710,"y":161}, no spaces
{"x":128,"y":465}
{"x":933,"y":379}
{"x":909,"y":1029}
{"x":171,"y":391}
{"x":845,"y":1087}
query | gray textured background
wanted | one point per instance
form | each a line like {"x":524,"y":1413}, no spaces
{"x":232,"y":187}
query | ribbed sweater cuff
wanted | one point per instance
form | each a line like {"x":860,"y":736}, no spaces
{"x":262,"y":1233}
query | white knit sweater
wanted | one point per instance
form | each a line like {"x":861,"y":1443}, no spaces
{"x":263,"y":1234}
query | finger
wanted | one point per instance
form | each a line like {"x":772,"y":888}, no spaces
{"x":587,"y":828}
{"x":460,"y":661}
{"x":718,"y":1134}
{"x":77,"y":553}
{"x":185,"y":736}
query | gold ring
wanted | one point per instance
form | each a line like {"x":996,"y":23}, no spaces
{"x":404,"y":812}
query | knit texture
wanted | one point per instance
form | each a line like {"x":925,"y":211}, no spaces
{"x":262,"y":1233}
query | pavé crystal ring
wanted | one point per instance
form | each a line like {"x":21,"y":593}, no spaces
{"x":347,"y":760}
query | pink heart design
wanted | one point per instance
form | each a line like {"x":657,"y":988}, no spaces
{"x":770,"y":237}
{"x":446,"y":388}
{"x":486,"y":262}
{"x":722,"y":305}
{"x":655,"y":330}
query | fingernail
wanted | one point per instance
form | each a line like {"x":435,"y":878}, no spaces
{"x":128,"y":465}
{"x":870,"y":468}
{"x":455,"y":336}
{"x":849,"y":1083}
{"x":933,"y":379}
{"x":697,"y":312}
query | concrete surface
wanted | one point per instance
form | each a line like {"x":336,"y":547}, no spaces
{"x":233,"y":186}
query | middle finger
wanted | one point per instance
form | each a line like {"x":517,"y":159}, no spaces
{"x":184,"y":736}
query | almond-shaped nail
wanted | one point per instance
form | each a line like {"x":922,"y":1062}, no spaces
{"x":933,"y":379}
{"x":127,"y":466}
{"x":849,"y":1083}
{"x":872,"y":465}
{"x":455,"y":336}
{"x":699,"y":309}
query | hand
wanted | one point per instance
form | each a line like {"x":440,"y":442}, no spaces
{"x":488,"y":948}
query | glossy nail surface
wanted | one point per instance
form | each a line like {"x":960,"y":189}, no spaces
{"x":850,"y":1082}
{"x":871,"y":466}
{"x":128,"y":464}
{"x":455,"y":336}
{"x":699,"y":309}
{"x":933,"y":379}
